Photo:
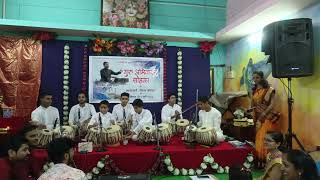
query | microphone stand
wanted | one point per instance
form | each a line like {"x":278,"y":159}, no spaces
{"x":158,"y":148}
{"x":79,"y":125}
{"x":101,"y":148}
{"x":197,"y":97}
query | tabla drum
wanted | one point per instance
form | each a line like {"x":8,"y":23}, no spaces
{"x":206,"y":136}
{"x":125,"y":129}
{"x":182,"y":125}
{"x":67,"y":131}
{"x":94,"y":135}
{"x":146,"y":134}
{"x":45,"y":137}
{"x":190,"y":133}
{"x":173,"y":127}
{"x":113,"y":135}
{"x":164,"y":133}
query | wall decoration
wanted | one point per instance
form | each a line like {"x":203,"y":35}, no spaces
{"x":125,"y":13}
{"x":109,"y":76}
{"x":85,"y":63}
{"x":66,"y":58}
{"x":206,"y":47}
{"x":179,"y":71}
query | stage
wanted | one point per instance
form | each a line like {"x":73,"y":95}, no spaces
{"x":134,"y":158}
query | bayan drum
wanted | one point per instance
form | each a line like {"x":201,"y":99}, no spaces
{"x":182,"y":125}
{"x":173,"y":127}
{"x":68,"y":131}
{"x":206,"y":136}
{"x":45,"y":137}
{"x":113,"y":135}
{"x":164,"y":133}
{"x":190,"y":133}
{"x":94,"y":135}
{"x":146,"y":134}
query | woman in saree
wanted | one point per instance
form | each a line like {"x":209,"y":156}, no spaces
{"x":272,"y":142}
{"x":264,"y":116}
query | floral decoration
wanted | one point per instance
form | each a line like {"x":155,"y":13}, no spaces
{"x":179,"y":72}
{"x":208,"y":161}
{"x":239,"y":113}
{"x":44,"y":36}
{"x":84,"y":69}
{"x":127,"y":47}
{"x":207,"y":46}
{"x":100,"y":167}
{"x":66,"y":58}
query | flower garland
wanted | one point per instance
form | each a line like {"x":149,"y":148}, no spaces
{"x":206,"y":47}
{"x":129,"y":47}
{"x":44,"y":36}
{"x":94,"y":174}
{"x":66,"y":58}
{"x":179,"y":71}
{"x":208,"y":160}
{"x":84,"y":68}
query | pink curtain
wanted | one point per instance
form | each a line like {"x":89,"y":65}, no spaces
{"x":20,"y":73}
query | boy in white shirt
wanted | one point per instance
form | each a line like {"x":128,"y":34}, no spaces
{"x":171,"y":111}
{"x":140,"y":118}
{"x":210,"y":117}
{"x":124,"y":110}
{"x":80,"y":114}
{"x":46,"y":116}
{"x":102,"y":118}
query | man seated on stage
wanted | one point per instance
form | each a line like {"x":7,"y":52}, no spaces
{"x":14,"y":155}
{"x":124,"y":110}
{"x":140,"y":118}
{"x":103,"y":117}
{"x":46,"y":116}
{"x":81,"y":113}
{"x":210,"y":117}
{"x":60,"y":152}
{"x":171,"y":111}
{"x":106,"y":73}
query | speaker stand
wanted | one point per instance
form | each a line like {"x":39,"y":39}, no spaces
{"x":290,"y":134}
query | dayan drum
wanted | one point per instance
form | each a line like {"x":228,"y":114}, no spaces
{"x":146,"y":134}
{"x":164,"y":133}
{"x":45,"y":137}
{"x":67,"y":131}
{"x":125,"y":128}
{"x":206,"y":136}
{"x":190,"y":133}
{"x":94,"y":135}
{"x":173,"y":127}
{"x":113,"y":135}
{"x":182,"y":125}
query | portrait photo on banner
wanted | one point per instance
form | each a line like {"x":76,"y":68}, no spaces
{"x":141,"y":77}
{"x":125,"y":13}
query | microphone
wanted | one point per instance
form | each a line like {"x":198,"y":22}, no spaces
{"x":55,"y":123}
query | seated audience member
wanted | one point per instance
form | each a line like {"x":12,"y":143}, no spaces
{"x":13,"y":159}
{"x":31,"y":133}
{"x":46,"y":115}
{"x":298,"y":165}
{"x":61,"y":152}
{"x":239,"y":173}
{"x":272,"y":143}
{"x":210,"y":117}
{"x":140,"y":118}
{"x":103,"y":117}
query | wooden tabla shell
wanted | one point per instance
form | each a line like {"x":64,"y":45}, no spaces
{"x":67,"y":131}
{"x":125,"y":128}
{"x":45,"y":137}
{"x":113,"y":135}
{"x":206,"y":136}
{"x":190,"y":133}
{"x":164,"y":133}
{"x":146,"y":134}
{"x":182,"y":125}
{"x":94,"y":136}
{"x":173,"y":127}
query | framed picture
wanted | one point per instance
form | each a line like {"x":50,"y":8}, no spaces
{"x":125,"y":13}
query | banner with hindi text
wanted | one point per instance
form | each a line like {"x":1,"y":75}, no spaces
{"x":141,"y":77}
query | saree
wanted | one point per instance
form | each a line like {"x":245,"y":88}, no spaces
{"x":271,"y":163}
{"x":261,"y":99}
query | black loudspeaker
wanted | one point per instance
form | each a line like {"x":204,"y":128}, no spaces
{"x":126,"y":177}
{"x":290,"y":46}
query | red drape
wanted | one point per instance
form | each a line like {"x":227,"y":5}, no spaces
{"x":20,"y":73}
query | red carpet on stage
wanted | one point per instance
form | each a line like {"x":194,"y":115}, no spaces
{"x":135,"y":158}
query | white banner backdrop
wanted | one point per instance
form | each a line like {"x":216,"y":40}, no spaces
{"x":141,"y":77}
